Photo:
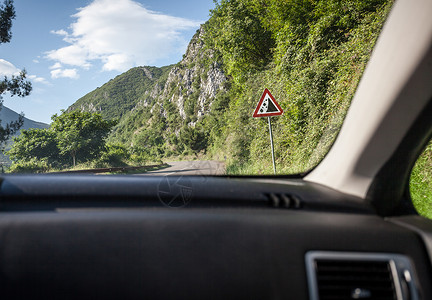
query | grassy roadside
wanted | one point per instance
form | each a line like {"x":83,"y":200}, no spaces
{"x":421,"y":183}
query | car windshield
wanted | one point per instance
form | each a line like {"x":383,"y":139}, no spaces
{"x":236,"y":87}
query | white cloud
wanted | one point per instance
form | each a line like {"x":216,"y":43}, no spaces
{"x":65,"y":73}
{"x":38,"y":79}
{"x":60,"y":32}
{"x":117,"y":62}
{"x":73,"y":55}
{"x":57,"y":65}
{"x":121,"y":34}
{"x":7,"y":68}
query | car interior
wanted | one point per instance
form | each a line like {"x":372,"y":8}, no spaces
{"x":345,"y":230}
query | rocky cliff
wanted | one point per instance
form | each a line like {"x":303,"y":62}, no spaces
{"x":197,"y":76}
{"x":167,"y":102}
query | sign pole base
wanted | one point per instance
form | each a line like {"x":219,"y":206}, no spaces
{"x":271,"y":142}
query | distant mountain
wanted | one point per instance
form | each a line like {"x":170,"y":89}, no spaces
{"x":8,"y":115}
{"x":121,"y":94}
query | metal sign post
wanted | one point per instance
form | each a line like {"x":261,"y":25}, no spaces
{"x":271,"y":142}
{"x":267,"y":107}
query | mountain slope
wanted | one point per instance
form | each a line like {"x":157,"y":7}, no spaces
{"x":7,"y":115}
{"x":122,"y":93}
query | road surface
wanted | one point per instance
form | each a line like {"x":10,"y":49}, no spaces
{"x":196,"y":167}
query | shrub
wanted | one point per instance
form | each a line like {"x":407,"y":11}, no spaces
{"x":30,"y":166}
{"x":115,"y":155}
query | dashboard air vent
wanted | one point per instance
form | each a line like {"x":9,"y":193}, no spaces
{"x":283,"y":201}
{"x":354,"y":279}
{"x":345,"y":276}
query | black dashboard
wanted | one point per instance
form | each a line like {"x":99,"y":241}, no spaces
{"x":111,"y":237}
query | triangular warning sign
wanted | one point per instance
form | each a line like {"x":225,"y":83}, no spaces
{"x":267,"y":106}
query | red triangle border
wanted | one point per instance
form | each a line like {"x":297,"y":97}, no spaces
{"x":256,"y":112}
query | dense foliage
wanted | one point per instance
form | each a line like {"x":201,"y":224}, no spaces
{"x":73,"y":136}
{"x":7,"y":14}
{"x":35,"y":144}
{"x":312,"y":55}
{"x":80,"y":134}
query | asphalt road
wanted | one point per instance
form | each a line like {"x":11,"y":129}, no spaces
{"x":196,"y":167}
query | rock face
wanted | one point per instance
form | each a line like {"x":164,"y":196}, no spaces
{"x":210,"y":87}
{"x":196,"y":77}
{"x":181,"y":96}
{"x":171,"y":99}
{"x":90,"y":107}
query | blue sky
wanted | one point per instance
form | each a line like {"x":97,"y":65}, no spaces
{"x":71,"y":47}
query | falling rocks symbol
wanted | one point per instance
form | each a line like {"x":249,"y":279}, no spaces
{"x":267,"y":106}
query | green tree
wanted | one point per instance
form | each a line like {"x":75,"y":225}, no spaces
{"x":7,"y":14}
{"x":36,"y":144}
{"x":16,"y":85}
{"x":193,"y":138}
{"x":81,"y":134}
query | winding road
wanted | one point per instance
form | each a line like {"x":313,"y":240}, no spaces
{"x":196,"y":167}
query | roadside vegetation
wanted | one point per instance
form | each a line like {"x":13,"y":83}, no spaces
{"x":421,"y":183}
{"x":310,"y":54}
{"x":75,"y":140}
